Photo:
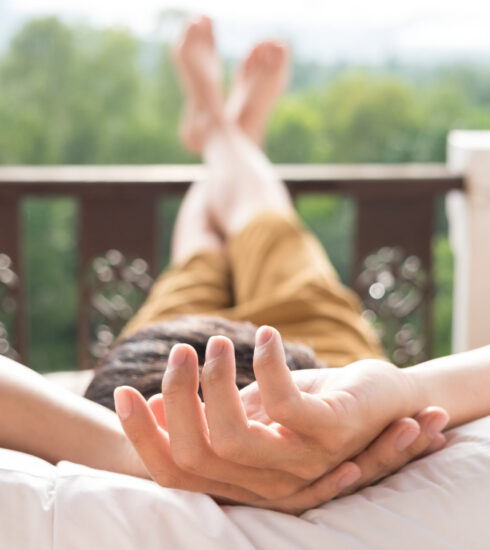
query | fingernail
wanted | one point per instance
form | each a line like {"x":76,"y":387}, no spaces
{"x":178,"y":355}
{"x":405,"y":439}
{"x":436,"y":426}
{"x":263,"y":335}
{"x":348,"y":479}
{"x":214,"y":348}
{"x":123,"y":402}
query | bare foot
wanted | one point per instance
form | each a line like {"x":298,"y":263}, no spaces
{"x":259,"y":82}
{"x":200,"y":75}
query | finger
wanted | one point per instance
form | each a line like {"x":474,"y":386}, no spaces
{"x":156,"y":406}
{"x":432,"y":421}
{"x":181,"y":402}
{"x":319,"y":492}
{"x":400,"y":443}
{"x":187,"y":429}
{"x":271,"y":371}
{"x":245,"y":442}
{"x":152,"y":445}
{"x":436,"y":444}
{"x":389,"y":452}
{"x":140,"y":426}
{"x":282,"y":399}
{"x":226,"y":417}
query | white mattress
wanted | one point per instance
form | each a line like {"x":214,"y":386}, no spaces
{"x":439,"y":502}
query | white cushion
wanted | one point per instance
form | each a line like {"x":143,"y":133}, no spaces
{"x":439,"y":502}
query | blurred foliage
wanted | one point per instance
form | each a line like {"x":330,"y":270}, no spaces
{"x":77,"y":95}
{"x":50,"y":269}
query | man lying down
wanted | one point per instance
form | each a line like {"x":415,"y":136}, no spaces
{"x":208,"y":401}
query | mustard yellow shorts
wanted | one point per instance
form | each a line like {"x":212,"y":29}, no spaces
{"x":273,"y":273}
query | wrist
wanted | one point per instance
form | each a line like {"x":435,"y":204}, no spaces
{"x":416,"y":391}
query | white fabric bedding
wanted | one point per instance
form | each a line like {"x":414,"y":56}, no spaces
{"x":439,"y":502}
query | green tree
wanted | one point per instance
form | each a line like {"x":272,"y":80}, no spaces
{"x":35,"y":78}
{"x":293,"y":132}
{"x":369,"y":119}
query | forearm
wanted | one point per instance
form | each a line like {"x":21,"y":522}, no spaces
{"x":459,"y":383}
{"x":39,"y":418}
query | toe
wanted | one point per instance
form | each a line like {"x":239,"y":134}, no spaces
{"x":252,"y":58}
{"x":189,"y":36}
{"x":278,"y":52}
{"x":261,"y":54}
{"x":206,"y":24}
{"x":206,"y":30}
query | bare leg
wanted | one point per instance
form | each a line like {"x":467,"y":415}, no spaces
{"x":193,"y":229}
{"x":235,"y":163}
{"x":259,"y":81}
{"x":242,"y":182}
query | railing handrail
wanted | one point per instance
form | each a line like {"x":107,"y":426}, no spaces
{"x":347,"y":178}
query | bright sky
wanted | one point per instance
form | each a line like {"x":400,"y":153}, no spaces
{"x":346,"y":28}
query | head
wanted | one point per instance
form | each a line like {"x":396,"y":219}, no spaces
{"x":141,"y":359}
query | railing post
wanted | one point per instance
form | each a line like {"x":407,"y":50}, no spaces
{"x":405,"y":223}
{"x":469,"y":216}
{"x":124,"y":222}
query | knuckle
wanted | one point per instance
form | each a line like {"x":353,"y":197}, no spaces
{"x":172,"y":387}
{"x":282,"y":410}
{"x":312,"y":471}
{"x":164,"y":479}
{"x":187,"y":459}
{"x":308,"y":465}
{"x":417,"y":447}
{"x":228,"y":448}
{"x":334,"y":448}
{"x":282,"y":489}
{"x":383,"y":463}
{"x":211,"y":373}
{"x":321,"y":493}
{"x":265,"y":356}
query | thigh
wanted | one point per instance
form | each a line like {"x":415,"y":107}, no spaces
{"x":282,"y":277}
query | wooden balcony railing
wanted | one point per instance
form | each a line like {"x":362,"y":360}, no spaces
{"x":117,"y":241}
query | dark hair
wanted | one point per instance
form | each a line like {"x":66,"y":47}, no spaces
{"x":140,"y":360}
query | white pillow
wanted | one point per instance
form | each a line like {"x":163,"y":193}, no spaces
{"x":439,"y":502}
{"x":27,"y":493}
